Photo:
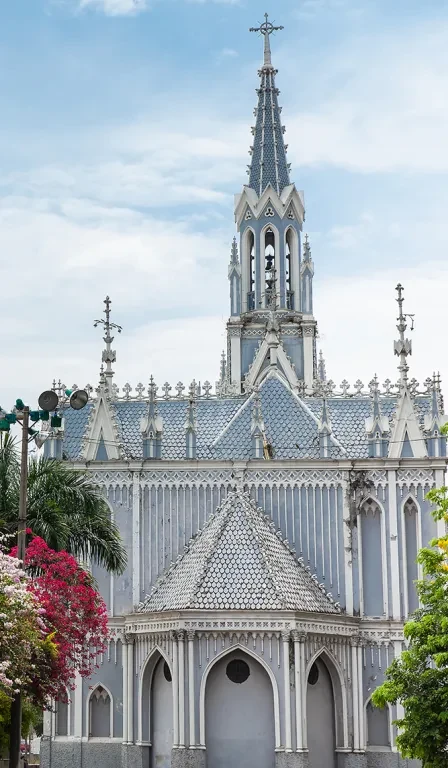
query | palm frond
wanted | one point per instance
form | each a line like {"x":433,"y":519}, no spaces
{"x":64,"y":507}
{"x":86,"y":526}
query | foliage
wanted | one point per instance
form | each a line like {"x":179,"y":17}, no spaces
{"x":31,"y":720}
{"x":64,"y":508}
{"x":419,"y":678}
{"x":75,"y":617}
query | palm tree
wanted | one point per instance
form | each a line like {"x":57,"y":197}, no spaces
{"x":64,"y":508}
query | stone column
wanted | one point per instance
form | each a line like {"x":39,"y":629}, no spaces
{"x":355,"y":697}
{"x":362,"y":744}
{"x":299,"y":651}
{"x":393,"y":543}
{"x":175,"y":690}
{"x":235,"y":356}
{"x":130,"y":683}
{"x":191,"y":701}
{"x":77,"y":707}
{"x":398,"y":648}
{"x":124,"y":654}
{"x":308,"y":355}
{"x":348,"y":549}
{"x":136,"y":539}
{"x":181,"y":651}
{"x":287,"y":685}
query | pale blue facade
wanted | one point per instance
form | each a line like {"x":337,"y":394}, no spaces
{"x":271,"y":528}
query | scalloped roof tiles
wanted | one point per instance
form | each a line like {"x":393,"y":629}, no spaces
{"x":238,"y":562}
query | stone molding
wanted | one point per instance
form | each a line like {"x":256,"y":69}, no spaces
{"x":414,"y":476}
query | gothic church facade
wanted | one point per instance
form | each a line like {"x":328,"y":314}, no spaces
{"x":271,"y":526}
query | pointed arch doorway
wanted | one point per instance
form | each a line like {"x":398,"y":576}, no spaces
{"x":239,"y":714}
{"x":321,"y":716}
{"x":155,"y":724}
{"x":161,"y":716}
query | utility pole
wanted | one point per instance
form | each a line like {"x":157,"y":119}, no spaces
{"x":16,"y":706}
{"x":48,"y":402}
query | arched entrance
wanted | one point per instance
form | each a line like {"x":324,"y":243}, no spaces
{"x":239,"y":714}
{"x":321,"y":717}
{"x":161,"y":715}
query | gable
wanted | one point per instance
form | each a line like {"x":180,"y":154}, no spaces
{"x":238,"y":562}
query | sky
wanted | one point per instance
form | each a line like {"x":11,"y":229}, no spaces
{"x":124,"y":135}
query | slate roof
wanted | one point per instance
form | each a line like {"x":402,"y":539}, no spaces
{"x":224,"y":424}
{"x":238,"y":562}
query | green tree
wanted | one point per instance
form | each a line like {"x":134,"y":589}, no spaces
{"x":418,"y":679}
{"x":64,"y":507}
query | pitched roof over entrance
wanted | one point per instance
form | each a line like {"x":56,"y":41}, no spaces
{"x":238,"y":562}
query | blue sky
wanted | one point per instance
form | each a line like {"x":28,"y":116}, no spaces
{"x":125,"y":134}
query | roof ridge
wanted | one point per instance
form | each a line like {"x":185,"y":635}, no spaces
{"x":256,"y":511}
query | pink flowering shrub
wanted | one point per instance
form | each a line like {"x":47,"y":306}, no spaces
{"x":74,"y":616}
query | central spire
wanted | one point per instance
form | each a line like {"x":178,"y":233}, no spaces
{"x":269,"y":164}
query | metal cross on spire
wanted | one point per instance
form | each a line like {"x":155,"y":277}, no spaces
{"x":266,"y":29}
{"x":109,"y":355}
{"x":402,"y":347}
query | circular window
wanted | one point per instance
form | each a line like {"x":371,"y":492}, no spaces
{"x":313,"y":677}
{"x":166,"y":672}
{"x":237,"y":671}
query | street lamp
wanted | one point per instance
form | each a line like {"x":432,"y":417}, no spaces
{"x":48,"y":411}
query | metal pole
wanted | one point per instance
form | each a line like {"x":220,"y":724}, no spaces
{"x":16,"y":706}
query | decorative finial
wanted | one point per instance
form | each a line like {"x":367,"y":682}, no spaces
{"x":322,"y":372}
{"x":402,"y":347}
{"x":306,"y":249}
{"x":109,"y":355}
{"x":223,"y":368}
{"x":234,"y":252}
{"x":266,"y":29}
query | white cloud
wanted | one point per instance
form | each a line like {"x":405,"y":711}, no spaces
{"x":310,"y":9}
{"x":145,"y":164}
{"x":115,"y":7}
{"x":357,"y":335}
{"x":384,"y":106}
{"x":168,"y":285}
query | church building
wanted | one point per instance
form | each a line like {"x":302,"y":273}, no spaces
{"x":271,"y":523}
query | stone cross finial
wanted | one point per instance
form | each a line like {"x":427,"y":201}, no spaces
{"x":402,"y":347}
{"x":266,"y":29}
{"x":109,"y":355}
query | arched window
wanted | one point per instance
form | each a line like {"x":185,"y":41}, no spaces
{"x":61,"y":718}
{"x":100,"y":713}
{"x":290,"y":265}
{"x":372,"y":559}
{"x":250,"y":256}
{"x":270,"y":268}
{"x":411,"y":547}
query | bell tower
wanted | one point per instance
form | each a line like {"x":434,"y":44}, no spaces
{"x":266,"y":278}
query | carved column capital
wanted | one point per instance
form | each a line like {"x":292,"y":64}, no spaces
{"x":191,"y":634}
{"x":181,"y":635}
{"x":286,"y":636}
{"x":298,"y":637}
